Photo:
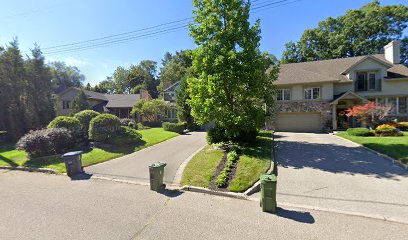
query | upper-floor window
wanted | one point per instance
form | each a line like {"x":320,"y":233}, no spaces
{"x":312,"y":93}
{"x":366,"y":81}
{"x":283,"y":94}
{"x":65,"y":104}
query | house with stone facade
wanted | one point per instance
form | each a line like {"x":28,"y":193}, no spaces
{"x":313,"y":96}
{"x":117,"y":104}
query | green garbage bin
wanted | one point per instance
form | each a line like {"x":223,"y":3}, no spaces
{"x":268,"y":192}
{"x":156,"y":171}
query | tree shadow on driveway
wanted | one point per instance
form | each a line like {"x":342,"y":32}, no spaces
{"x":335,"y":158}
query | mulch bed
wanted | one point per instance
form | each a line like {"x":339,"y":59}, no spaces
{"x":220,"y":167}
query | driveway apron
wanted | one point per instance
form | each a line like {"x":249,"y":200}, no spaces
{"x":327,"y":172}
{"x":134,"y":167}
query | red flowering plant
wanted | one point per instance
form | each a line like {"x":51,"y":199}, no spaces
{"x":368,"y":113}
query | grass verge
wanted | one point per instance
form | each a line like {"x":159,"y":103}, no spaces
{"x":254,"y":160}
{"x":201,"y":167}
{"x":395,"y":147}
{"x":11,"y":157}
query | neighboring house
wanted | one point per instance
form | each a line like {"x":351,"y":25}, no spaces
{"x":118,"y":104}
{"x":312,"y":96}
{"x":169,"y":95}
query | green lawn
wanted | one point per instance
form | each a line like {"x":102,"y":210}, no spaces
{"x":395,"y":147}
{"x":201,"y":167}
{"x":11,"y":157}
{"x":254,"y":160}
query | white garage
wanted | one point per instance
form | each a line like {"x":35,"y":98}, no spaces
{"x":298,"y":122}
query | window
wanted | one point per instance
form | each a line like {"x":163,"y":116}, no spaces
{"x":283,"y":94}
{"x":402,"y":105}
{"x":312,"y":93}
{"x":392,"y":102}
{"x":65,"y":104}
{"x":372,"y":81}
{"x":366,"y":81}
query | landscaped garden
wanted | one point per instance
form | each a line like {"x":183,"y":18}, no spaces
{"x":43,"y":148}
{"x":230,"y":167}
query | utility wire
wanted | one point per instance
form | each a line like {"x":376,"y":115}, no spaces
{"x":147,"y":32}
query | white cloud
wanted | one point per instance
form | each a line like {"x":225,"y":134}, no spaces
{"x":71,"y":61}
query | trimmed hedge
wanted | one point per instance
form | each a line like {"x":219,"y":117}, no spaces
{"x":125,"y":121}
{"x":174,"y":127}
{"x":104,"y":127}
{"x":132,"y":125}
{"x":46,"y":142}
{"x":85,"y":117}
{"x":363,"y":132}
{"x":126,"y":136}
{"x":216,"y":134}
{"x":70,"y":123}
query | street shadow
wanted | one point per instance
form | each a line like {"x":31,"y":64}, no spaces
{"x":81,"y":176}
{"x":170,"y":193}
{"x":297,"y":216}
{"x":336,"y":159}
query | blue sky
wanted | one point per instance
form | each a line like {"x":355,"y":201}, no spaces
{"x":50,"y":23}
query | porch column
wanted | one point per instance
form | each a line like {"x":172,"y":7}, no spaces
{"x":334,"y":116}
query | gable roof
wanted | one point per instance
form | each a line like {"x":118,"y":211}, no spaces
{"x":332,"y":70}
{"x":172,"y":87}
{"x":122,"y":100}
{"x":337,"y":98}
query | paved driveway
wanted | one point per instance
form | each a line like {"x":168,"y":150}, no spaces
{"x":325,"y":171}
{"x":135,"y":166}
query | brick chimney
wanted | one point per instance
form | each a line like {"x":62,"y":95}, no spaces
{"x":392,"y":51}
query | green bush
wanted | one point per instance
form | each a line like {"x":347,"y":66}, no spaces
{"x":104,"y":127}
{"x":126,"y":136}
{"x":403,"y":126}
{"x":70,"y":123}
{"x":125,"y":121}
{"x":3,"y":136}
{"x":362,"y":132}
{"x":132,"y":125}
{"x":46,"y":142}
{"x":84,"y":118}
{"x":222,"y":178}
{"x":216,"y":134}
{"x":140,"y":126}
{"x":174,"y":127}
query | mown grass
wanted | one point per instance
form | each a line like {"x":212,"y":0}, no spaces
{"x":201,"y":167}
{"x":11,"y":157}
{"x":395,"y":147}
{"x":254,"y":160}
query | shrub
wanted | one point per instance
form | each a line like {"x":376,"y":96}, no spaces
{"x":245,"y":135}
{"x":132,"y":125}
{"x":70,"y":123}
{"x":46,"y":142}
{"x":125,"y":121}
{"x":362,"y":132}
{"x":174,"y":127}
{"x":216,"y":134}
{"x":387,"y":130}
{"x":3,"y":136}
{"x":85,"y":117}
{"x":403,"y":126}
{"x":126,"y":136}
{"x":140,"y":126}
{"x":103,"y":127}
{"x":222,"y":178}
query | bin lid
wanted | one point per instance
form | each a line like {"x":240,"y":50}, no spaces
{"x":68,"y":154}
{"x":157,"y":164}
{"x":268,"y":178}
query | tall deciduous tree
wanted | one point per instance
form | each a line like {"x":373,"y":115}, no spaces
{"x":359,"y":32}
{"x":184,"y":110}
{"x":175,"y":68}
{"x":233,"y":86}
{"x":65,"y":76}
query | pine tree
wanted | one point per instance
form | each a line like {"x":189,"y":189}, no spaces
{"x":80,"y":102}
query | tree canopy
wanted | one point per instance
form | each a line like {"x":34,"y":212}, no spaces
{"x":175,"y":67}
{"x":232,"y":85}
{"x":65,"y":76}
{"x":359,"y":32}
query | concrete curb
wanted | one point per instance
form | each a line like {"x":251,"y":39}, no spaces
{"x":393,"y":160}
{"x":215,"y":193}
{"x":30,"y":169}
{"x":179,"y":174}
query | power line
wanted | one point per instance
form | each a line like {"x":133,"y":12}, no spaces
{"x":147,"y":32}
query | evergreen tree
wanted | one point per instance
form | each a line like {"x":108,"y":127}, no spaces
{"x":80,"y":102}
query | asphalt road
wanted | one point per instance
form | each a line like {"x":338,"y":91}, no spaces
{"x":325,"y":171}
{"x":135,"y":166}
{"x":40,"y":206}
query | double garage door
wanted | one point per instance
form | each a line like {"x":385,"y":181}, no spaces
{"x":298,"y":122}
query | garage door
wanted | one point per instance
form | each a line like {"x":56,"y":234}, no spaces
{"x":298,"y":122}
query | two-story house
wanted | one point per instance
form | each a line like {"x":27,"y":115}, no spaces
{"x":313,"y":96}
{"x":169,"y":95}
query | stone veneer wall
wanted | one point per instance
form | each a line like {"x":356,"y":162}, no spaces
{"x":308,"y":106}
